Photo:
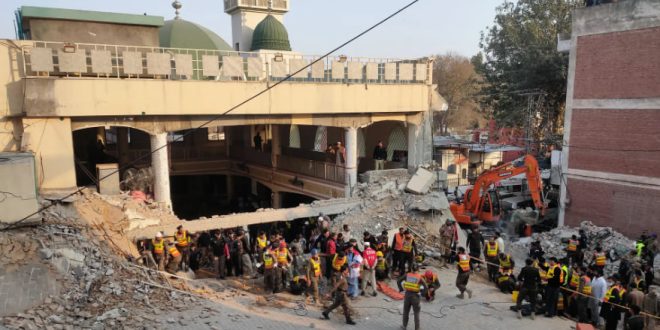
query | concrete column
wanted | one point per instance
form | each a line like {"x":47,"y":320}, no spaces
{"x":276,"y":144}
{"x":161,"y":169}
{"x":276,"y":200}
{"x":413,"y":153}
{"x":351,"y":159}
{"x":100,"y":134}
{"x":122,"y":145}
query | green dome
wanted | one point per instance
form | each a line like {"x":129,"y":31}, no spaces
{"x":270,"y":34}
{"x":179,"y":33}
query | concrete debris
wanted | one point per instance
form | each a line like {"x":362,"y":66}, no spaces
{"x":435,"y":200}
{"x":421,"y":182}
{"x":45,"y":253}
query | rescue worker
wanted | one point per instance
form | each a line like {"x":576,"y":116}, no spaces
{"x":370,"y":261}
{"x":298,"y":285}
{"x":260,"y":244}
{"x":475,"y":242}
{"x":158,"y":250}
{"x":505,"y":261}
{"x":448,"y":235}
{"x":381,"y":267}
{"x":610,"y":312}
{"x":271,"y":281}
{"x":397,"y":245}
{"x":408,"y":252}
{"x":600,"y":258}
{"x":506,"y":282}
{"x":413,"y":284}
{"x":340,"y":299}
{"x":584,"y":288}
{"x":314,"y":274}
{"x":555,"y":279}
{"x":182,"y":241}
{"x":432,"y":284}
{"x":572,"y":249}
{"x":174,"y":258}
{"x":338,"y":261}
{"x":492,"y":252}
{"x":284,"y":264}
{"x":573,"y":279}
{"x":463,"y":275}
{"x":530,"y":279}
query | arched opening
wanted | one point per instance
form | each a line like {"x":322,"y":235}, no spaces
{"x":393,"y":135}
{"x":397,"y":146}
{"x":321,"y":139}
{"x":294,"y":137}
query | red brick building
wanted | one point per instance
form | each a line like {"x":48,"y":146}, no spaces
{"x":611,"y":154}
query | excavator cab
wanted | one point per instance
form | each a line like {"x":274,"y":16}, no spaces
{"x":490,"y":207}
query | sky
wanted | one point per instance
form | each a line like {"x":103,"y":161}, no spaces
{"x":428,"y":27}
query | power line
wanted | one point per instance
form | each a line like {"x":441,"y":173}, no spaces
{"x":179,"y":138}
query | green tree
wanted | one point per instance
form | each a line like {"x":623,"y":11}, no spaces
{"x":458,"y":83}
{"x":519,"y":55}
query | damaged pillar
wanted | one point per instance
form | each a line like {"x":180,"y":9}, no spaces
{"x":351,"y":160}
{"x":161,"y":169}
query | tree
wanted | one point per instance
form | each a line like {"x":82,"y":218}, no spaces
{"x":457,"y":82}
{"x":520,"y":56}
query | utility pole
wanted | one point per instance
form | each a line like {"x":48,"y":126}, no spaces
{"x":534,"y":101}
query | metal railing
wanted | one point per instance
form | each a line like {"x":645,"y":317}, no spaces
{"x":46,"y":59}
{"x":313,"y":168}
{"x":250,"y":155}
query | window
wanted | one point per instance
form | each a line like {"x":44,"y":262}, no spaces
{"x":294,"y":137}
{"x":451,"y":169}
{"x":175,"y":137}
{"x":216,"y":133}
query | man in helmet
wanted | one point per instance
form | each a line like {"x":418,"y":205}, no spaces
{"x":314,"y":274}
{"x":174,"y":258}
{"x":381,"y":267}
{"x":432,"y":284}
{"x":158,"y":250}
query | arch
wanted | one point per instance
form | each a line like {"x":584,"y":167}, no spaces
{"x":396,"y":141}
{"x":321,"y":138}
{"x":294,"y":137}
{"x":361,"y":144}
{"x":77,"y":126}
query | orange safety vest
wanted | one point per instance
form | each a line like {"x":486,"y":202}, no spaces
{"x":572,"y":245}
{"x":575,"y":280}
{"x":398,"y":242}
{"x":159,"y":247}
{"x":491,"y":249}
{"x":407,"y":245}
{"x":181,"y":238}
{"x":506,"y":262}
{"x":601,"y":259}
{"x":586,"y":287}
{"x":268,"y":260}
{"x":412,"y":282}
{"x":338,"y":262}
{"x":173,"y":252}
{"x":262,"y":242}
{"x":282,"y":257}
{"x":464,"y":262}
{"x":316,"y":266}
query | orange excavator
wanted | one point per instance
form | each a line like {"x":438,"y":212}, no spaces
{"x":482,"y":203}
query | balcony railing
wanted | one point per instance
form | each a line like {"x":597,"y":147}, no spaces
{"x":313,"y":168}
{"x":48,"y":59}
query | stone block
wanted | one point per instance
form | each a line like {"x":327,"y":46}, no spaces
{"x":421,"y":181}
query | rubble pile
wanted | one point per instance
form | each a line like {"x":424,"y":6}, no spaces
{"x":554,"y":243}
{"x":139,"y":212}
{"x":101,"y":288}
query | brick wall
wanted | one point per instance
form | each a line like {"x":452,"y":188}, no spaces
{"x":618,"y":65}
{"x":629,"y":210}
{"x":598,"y":137}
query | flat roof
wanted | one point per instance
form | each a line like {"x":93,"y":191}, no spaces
{"x":89,"y":16}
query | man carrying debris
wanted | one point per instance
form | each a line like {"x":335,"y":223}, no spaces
{"x":340,"y":299}
{"x":314,"y":274}
{"x":475,"y":242}
{"x":492,"y":251}
{"x":370,"y":258}
{"x":463,"y":275}
{"x":530,"y":279}
{"x":174,"y":258}
{"x":158,"y":250}
{"x":413,"y":284}
{"x":182,"y":241}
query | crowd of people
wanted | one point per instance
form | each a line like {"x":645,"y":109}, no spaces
{"x":344,"y":267}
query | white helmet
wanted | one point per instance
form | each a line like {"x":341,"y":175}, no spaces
{"x":159,"y":235}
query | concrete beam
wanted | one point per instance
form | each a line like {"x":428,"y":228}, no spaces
{"x":328,"y":207}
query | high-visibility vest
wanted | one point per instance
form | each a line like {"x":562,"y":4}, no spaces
{"x":181,"y":238}
{"x":506,"y":262}
{"x":268,"y":260}
{"x":316,"y":266}
{"x":338,"y":262}
{"x":407,"y":245}
{"x":552,"y":270}
{"x":464,"y":262}
{"x":491,"y":249}
{"x":609,"y":295}
{"x":636,"y":284}
{"x":370,"y":257}
{"x":159,"y":247}
{"x":173,"y":252}
{"x":586,"y":287}
{"x":572,"y":245}
{"x":381,"y":264}
{"x":412,"y":282}
{"x":262,"y":242}
{"x":601,"y":259}
{"x":564,"y":270}
{"x":398,"y":241}
{"x":575,"y":280}
{"x":282,"y":255}
{"x":639,"y":246}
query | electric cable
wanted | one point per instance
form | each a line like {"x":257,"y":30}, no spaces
{"x":249,"y":99}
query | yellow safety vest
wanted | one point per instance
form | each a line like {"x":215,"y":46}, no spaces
{"x":506,"y":262}
{"x":412,"y":282}
{"x":268,"y":260}
{"x":282,"y":256}
{"x":601,"y":259}
{"x":586,"y":287}
{"x":407,"y":245}
{"x":464,"y":262}
{"x":572,"y":245}
{"x":338,"y":262}
{"x":262,"y":242}
{"x":381,"y":264}
{"x":173,"y":252}
{"x":575,"y":280}
{"x":159,"y":247}
{"x":182,"y":238}
{"x":491,"y":250}
{"x":316,"y":266}
{"x":551,"y":273}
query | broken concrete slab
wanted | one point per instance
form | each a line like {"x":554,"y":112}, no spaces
{"x":399,"y":174}
{"x":421,"y":181}
{"x":432,"y":201}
